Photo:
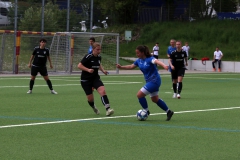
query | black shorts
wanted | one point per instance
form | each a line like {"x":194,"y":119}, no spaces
{"x":89,"y":84}
{"x":178,"y":73}
{"x":155,"y":56}
{"x":41,"y":70}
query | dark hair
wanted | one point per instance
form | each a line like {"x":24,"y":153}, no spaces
{"x":157,"y":43}
{"x":43,"y":40}
{"x":145,"y":50}
{"x":92,"y":38}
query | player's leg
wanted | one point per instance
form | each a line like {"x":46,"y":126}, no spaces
{"x":87,"y":87}
{"x":174,"y":83}
{"x":44,"y":73}
{"x":162,"y":105}
{"x":34,"y":72}
{"x":219,"y":65}
{"x":181,"y":73}
{"x":213,"y":64}
{"x":104,"y":98}
{"x":142,"y":100}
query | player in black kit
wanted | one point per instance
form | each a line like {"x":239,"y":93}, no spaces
{"x":90,"y":64}
{"x":176,"y":61}
{"x":39,"y":58}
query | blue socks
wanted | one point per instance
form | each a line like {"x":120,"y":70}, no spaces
{"x":143,"y":103}
{"x":162,"y":105}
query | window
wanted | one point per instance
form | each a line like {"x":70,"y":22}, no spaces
{"x":3,"y":11}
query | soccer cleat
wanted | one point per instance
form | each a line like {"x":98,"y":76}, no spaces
{"x":169,"y":115}
{"x":174,"y":95}
{"x":109,"y":112}
{"x":53,"y":92}
{"x":96,"y":110}
{"x":29,"y":92}
{"x":148,"y":112}
{"x":219,"y":70}
{"x":178,"y":96}
{"x":214,"y":69}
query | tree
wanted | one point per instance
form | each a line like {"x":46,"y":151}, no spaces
{"x":54,"y":18}
{"x":121,"y":11}
{"x":225,"y":5}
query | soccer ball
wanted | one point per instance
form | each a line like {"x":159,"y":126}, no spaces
{"x":142,"y":115}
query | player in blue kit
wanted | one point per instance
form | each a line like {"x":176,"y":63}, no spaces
{"x":91,"y":41}
{"x":170,"y":49}
{"x":147,"y":65}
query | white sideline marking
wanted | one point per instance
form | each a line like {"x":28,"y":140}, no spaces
{"x":116,"y":82}
{"x":90,"y":119}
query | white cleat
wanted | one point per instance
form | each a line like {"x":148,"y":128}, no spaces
{"x":109,"y":112}
{"x":96,"y":110}
{"x":29,"y":92}
{"x":178,"y":96}
{"x":174,"y":95}
{"x":53,"y":92}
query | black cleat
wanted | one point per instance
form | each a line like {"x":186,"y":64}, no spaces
{"x":148,"y":112}
{"x":169,"y":115}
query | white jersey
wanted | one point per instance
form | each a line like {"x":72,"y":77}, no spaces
{"x":218,"y":54}
{"x":186,"y":49}
{"x":155,"y":50}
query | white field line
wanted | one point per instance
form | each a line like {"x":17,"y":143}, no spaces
{"x":62,"y":85}
{"x":102,"y":118}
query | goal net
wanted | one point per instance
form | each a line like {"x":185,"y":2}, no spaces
{"x":68,"y":48}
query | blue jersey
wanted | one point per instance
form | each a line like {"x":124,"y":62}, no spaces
{"x":148,"y":69}
{"x":171,"y":49}
{"x":90,"y":50}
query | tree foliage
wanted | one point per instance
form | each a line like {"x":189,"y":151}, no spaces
{"x":121,"y":11}
{"x":55,"y":19}
{"x":204,"y":9}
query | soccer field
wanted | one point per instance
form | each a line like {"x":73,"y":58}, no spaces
{"x":205,"y":126}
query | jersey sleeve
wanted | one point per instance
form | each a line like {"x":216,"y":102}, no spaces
{"x":171,"y":55}
{"x":153,"y":60}
{"x":86,"y":59}
{"x":136,"y":63}
{"x":34,"y":51}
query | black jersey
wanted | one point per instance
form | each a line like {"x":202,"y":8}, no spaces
{"x":178,"y":59}
{"x":40,"y":56}
{"x":91,"y":62}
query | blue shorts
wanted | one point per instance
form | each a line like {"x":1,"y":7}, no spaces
{"x":150,"y":88}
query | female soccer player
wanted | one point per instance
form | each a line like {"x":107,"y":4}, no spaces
{"x":147,"y":65}
{"x":176,"y":61}
{"x":90,"y":64}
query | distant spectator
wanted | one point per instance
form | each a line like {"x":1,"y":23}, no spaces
{"x":217,"y":58}
{"x":91,"y":41}
{"x":155,"y":50}
{"x":186,"y":48}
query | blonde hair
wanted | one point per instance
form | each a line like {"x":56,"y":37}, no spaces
{"x":96,"y":44}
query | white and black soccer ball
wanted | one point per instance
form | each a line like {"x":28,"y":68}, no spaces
{"x":142,"y":115}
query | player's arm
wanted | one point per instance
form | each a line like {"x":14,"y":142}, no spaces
{"x":131,"y":66}
{"x":50,"y":62}
{"x":30,"y":61}
{"x":102,"y":69}
{"x":170,"y":63}
{"x":221,"y":56}
{"x":160,"y":63}
{"x":186,"y":60}
{"x":214,"y":57}
{"x":83,"y":68}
